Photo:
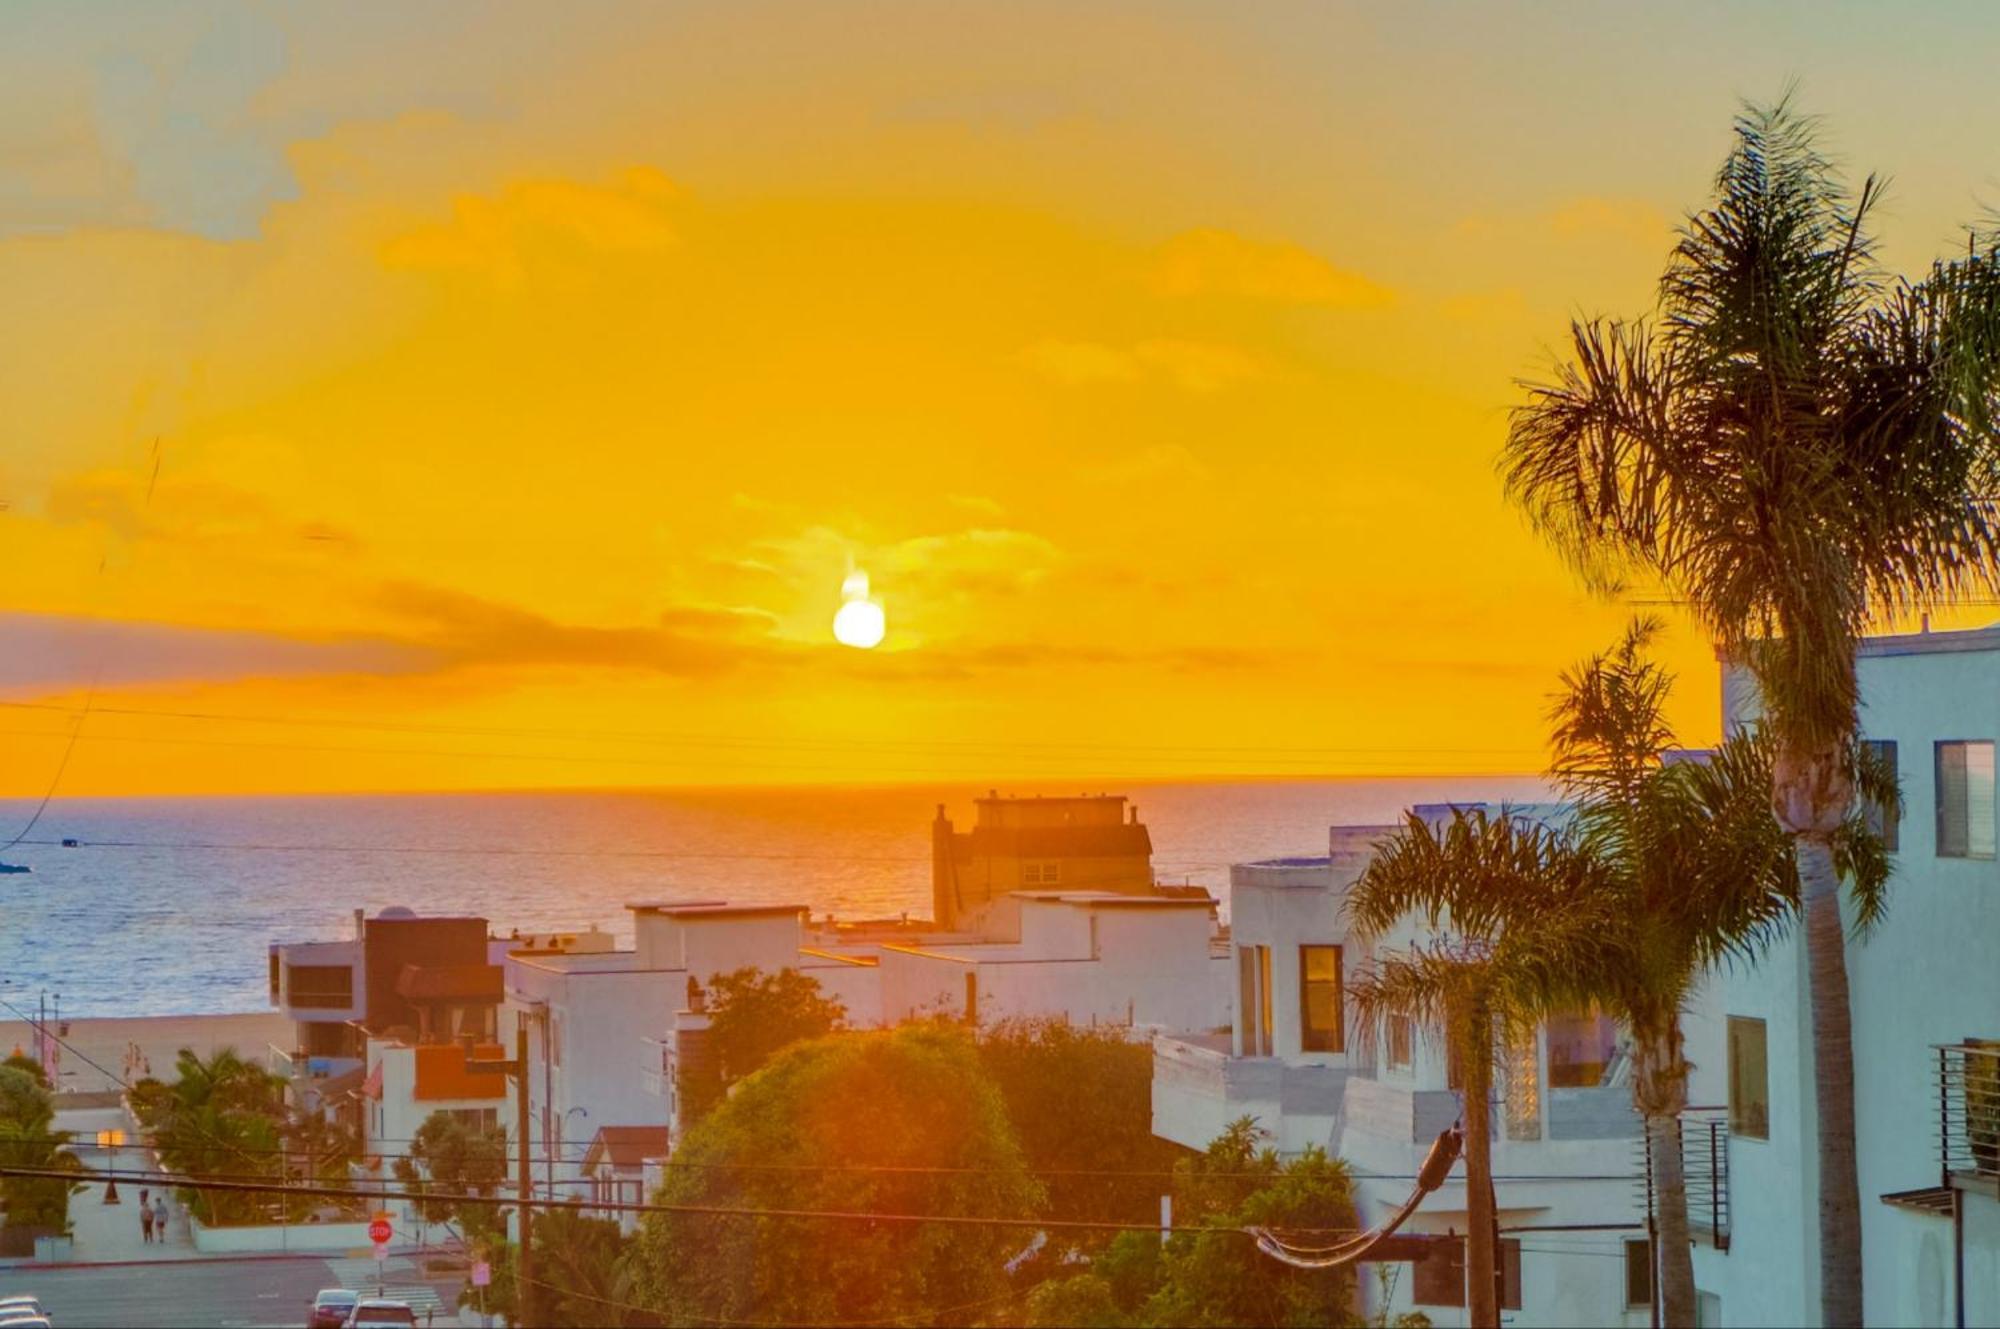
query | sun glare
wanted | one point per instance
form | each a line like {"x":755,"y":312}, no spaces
{"x":860,"y":622}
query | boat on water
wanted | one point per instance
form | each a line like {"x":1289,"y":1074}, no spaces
{"x":14,"y":867}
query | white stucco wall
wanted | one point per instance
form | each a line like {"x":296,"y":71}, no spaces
{"x":1925,"y":976}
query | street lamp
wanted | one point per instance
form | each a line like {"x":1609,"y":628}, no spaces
{"x":109,"y":1140}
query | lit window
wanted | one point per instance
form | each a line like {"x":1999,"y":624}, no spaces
{"x":1749,"y":1082}
{"x":1965,"y":800}
{"x":1253,"y":1000}
{"x":1583,"y":1047}
{"x":1319,"y":999}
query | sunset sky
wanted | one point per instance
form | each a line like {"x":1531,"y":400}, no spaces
{"x":466,"y":395}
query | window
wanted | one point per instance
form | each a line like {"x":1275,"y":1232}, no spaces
{"x":274,"y":978}
{"x":1264,"y":999}
{"x":1398,"y":1041}
{"x":1041,"y":874}
{"x":1440,"y":1276}
{"x":1883,"y":822}
{"x":1638,"y":1273}
{"x":1749,"y":1083}
{"x":1583,"y":1046}
{"x":1319,"y":999}
{"x":1253,"y":1000}
{"x":1510,"y":1274}
{"x":319,"y":987}
{"x":1707,"y":1310}
{"x":476,"y":1119}
{"x":1965,"y":799}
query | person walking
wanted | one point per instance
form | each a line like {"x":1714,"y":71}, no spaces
{"x":145,"y":1221}
{"x":160,"y":1217}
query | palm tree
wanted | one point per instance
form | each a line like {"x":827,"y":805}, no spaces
{"x":1795,"y":444}
{"x":1696,"y":869}
{"x":1514,"y":917}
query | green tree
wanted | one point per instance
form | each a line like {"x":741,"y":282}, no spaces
{"x":1697,"y":870}
{"x":1797,"y":444}
{"x":21,"y":1061}
{"x":28,"y":1139}
{"x":754,"y":1015}
{"x":1068,"y":1135}
{"x":1515,"y":931}
{"x":582,"y":1265}
{"x":845,"y":1123}
{"x":1218,"y":1277}
{"x":221,"y":1115}
{"x":447,"y":1157}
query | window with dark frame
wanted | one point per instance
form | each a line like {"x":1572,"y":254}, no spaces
{"x":1884,"y":822}
{"x":1749,"y":1079}
{"x":1638,"y":1272}
{"x":1319,"y":999}
{"x":1439,"y":1278}
{"x":1965,"y":826}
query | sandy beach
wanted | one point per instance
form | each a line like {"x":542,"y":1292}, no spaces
{"x":158,"y":1039}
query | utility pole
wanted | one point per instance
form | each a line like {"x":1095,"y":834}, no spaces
{"x":524,"y":1260}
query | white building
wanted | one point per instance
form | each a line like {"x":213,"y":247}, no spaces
{"x":1565,"y":1137}
{"x":1922,"y":984}
{"x":608,"y":1031}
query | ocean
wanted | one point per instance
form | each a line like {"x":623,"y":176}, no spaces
{"x":168,"y":905}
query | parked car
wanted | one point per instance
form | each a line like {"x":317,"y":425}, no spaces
{"x":374,"y":1313}
{"x":331,"y":1307}
{"x":23,"y":1311}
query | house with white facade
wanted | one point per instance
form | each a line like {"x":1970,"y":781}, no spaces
{"x":1925,"y":997}
{"x":1565,"y":1138}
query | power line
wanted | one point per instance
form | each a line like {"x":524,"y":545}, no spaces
{"x":267,"y":1187}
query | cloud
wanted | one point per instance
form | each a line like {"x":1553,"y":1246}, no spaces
{"x":1197,"y":367}
{"x":42,"y":653}
{"x":500,"y":236}
{"x":467,"y":630}
{"x":1210,"y":261}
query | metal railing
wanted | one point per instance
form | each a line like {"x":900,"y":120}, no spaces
{"x":1968,"y":1108}
{"x":1704,"y":1135}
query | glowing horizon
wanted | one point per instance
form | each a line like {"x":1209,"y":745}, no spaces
{"x":400,"y":410}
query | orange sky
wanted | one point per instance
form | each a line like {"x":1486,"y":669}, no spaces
{"x":480,"y":398}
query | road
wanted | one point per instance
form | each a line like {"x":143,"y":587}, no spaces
{"x":226,"y":1294}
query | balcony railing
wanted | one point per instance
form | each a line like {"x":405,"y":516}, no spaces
{"x":1968,"y":1109}
{"x":1704,"y":1172}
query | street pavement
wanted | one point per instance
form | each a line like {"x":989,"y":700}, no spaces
{"x":221,"y":1293}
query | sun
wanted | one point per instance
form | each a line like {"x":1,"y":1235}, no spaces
{"x":860,"y":622}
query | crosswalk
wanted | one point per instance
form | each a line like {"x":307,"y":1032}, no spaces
{"x":361,"y":1273}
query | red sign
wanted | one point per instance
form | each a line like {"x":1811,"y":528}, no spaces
{"x":379,"y":1232}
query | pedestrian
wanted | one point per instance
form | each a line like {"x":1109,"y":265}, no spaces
{"x":160,"y":1217}
{"x":146,"y":1222}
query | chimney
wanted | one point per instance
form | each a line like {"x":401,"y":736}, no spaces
{"x":360,"y":924}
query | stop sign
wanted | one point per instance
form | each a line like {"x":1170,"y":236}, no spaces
{"x":379,"y":1231}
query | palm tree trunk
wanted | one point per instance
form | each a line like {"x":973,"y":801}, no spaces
{"x":1676,"y":1260}
{"x":1833,"y":1085}
{"x":1659,"y":1092}
{"x":1476,"y":1056}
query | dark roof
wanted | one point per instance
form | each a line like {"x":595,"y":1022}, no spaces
{"x":450,"y":982}
{"x":626,"y":1146}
